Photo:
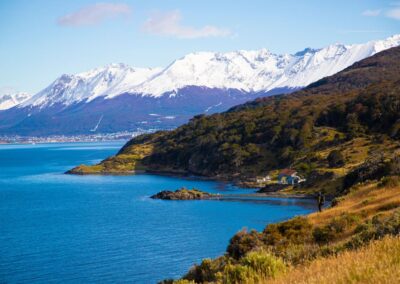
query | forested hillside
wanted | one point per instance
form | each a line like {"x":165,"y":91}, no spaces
{"x":354,"y":113}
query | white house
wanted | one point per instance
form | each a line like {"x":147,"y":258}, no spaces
{"x":289,"y":176}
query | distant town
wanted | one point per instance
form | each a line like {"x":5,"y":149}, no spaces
{"x":98,"y":137}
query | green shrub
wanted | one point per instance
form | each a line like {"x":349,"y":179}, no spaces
{"x":206,"y":270}
{"x":389,"y":181}
{"x":297,"y":253}
{"x":294,"y":231}
{"x":335,"y":159}
{"x":336,"y":201}
{"x":324,"y":235}
{"x":374,"y":229}
{"x":255,"y":267}
{"x":264,"y":263}
{"x":338,"y":225}
{"x":373,"y":169}
{"x":244,"y":242}
{"x":238,"y":274}
{"x":328,"y":233}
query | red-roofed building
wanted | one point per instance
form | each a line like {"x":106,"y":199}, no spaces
{"x":289,"y":176}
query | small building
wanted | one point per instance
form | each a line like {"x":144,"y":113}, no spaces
{"x":263,"y":179}
{"x":289,"y":176}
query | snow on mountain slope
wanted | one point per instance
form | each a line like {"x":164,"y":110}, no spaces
{"x":242,"y":70}
{"x":247,"y":71}
{"x":315,"y":65}
{"x":10,"y":98}
{"x":111,"y":80}
{"x":254,"y":71}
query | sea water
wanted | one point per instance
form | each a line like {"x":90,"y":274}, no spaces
{"x":105,"y":229}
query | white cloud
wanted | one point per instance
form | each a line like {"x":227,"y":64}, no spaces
{"x":169,"y":24}
{"x":371,"y":13}
{"x":95,"y":14}
{"x":393,"y":13}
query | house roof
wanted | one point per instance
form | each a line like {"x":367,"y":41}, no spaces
{"x":287,"y":172}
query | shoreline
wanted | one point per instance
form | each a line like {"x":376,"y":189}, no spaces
{"x":61,"y":141}
{"x":188,"y":176}
{"x":270,"y":195}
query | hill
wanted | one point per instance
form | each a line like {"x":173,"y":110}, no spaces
{"x":354,"y":113}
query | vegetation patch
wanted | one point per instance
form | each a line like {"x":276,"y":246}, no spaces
{"x":183,"y":194}
{"x":378,"y":262}
{"x":125,"y":162}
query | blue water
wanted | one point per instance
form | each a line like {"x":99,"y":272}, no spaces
{"x":78,"y":229}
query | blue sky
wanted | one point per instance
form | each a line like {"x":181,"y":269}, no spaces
{"x":42,"y":39}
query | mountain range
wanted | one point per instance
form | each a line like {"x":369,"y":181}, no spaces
{"x":118,"y":97}
{"x":10,"y":98}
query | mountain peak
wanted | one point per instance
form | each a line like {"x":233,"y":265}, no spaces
{"x":244,"y":70}
{"x":10,"y":98}
{"x":307,"y":50}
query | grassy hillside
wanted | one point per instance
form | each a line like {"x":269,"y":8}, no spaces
{"x":378,"y":262}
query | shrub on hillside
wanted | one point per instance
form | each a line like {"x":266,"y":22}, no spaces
{"x":331,"y":231}
{"x":389,"y":181}
{"x":372,"y":169}
{"x":264,"y":263}
{"x":336,"y":201}
{"x":255,"y":267}
{"x":335,"y":159}
{"x":244,"y":242}
{"x":294,"y":231}
{"x":375,"y":229}
{"x":324,"y":235}
{"x":206,"y":271}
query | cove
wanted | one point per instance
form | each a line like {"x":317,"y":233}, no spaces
{"x":105,"y":229}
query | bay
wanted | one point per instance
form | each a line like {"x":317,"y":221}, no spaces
{"x":105,"y":229}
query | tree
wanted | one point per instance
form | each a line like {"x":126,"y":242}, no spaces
{"x":335,"y":159}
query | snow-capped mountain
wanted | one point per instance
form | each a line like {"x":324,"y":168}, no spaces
{"x":118,"y":97}
{"x":111,"y":80}
{"x":246,"y":71}
{"x":10,"y":98}
{"x":259,"y":70}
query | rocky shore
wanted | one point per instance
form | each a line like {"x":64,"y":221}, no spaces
{"x":182,"y":194}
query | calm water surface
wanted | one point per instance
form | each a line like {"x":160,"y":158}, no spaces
{"x":78,"y":229}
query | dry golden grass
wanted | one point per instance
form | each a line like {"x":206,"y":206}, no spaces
{"x":356,"y":151}
{"x":365,"y":201}
{"x":379,"y":262}
{"x":123,"y":163}
{"x":325,"y":134}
